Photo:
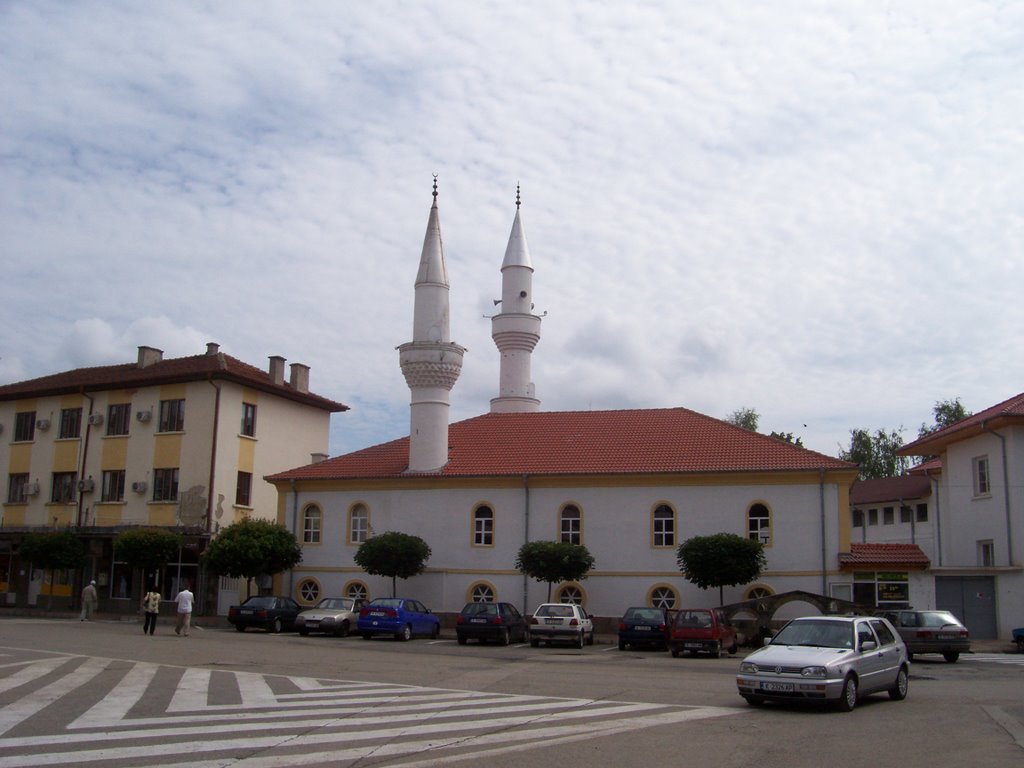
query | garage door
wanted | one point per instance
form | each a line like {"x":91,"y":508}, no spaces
{"x":972,"y":599}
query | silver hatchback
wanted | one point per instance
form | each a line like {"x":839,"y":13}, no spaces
{"x":834,"y":659}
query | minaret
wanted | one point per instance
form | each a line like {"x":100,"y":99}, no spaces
{"x":516,"y":330}
{"x":431,"y":362}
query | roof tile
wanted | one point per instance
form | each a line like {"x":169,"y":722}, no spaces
{"x":884,"y":555}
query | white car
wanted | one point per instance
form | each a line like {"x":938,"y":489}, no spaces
{"x":333,"y":615}
{"x":561,"y":621}
{"x":834,"y":659}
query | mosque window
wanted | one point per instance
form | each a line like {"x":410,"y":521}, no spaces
{"x":309,"y":591}
{"x":663,"y":596}
{"x":481,"y":593}
{"x":358,"y":524}
{"x":571,"y":524}
{"x":312,"y":520}
{"x":759,"y":524}
{"x":357,"y":591}
{"x":483,"y":526}
{"x":663,"y":526}
{"x":571,"y":593}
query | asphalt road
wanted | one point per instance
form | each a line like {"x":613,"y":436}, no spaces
{"x":103,"y":694}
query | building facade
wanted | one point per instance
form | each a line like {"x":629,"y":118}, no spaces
{"x":180,"y":444}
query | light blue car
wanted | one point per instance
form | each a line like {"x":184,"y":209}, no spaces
{"x":398,"y":616}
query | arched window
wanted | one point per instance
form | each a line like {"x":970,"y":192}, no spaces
{"x":571,"y":593}
{"x":311,"y":523}
{"x":308,"y":591}
{"x":358,"y":524}
{"x":663,"y":596}
{"x":757,"y":591}
{"x":571,"y":524}
{"x":663,"y":526}
{"x":483,"y":526}
{"x":481,"y":592}
{"x":357,"y":590}
{"x":759,"y":524}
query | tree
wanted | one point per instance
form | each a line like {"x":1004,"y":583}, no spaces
{"x":554,"y":561}
{"x":52,"y":551}
{"x":788,"y":437}
{"x":747,"y":418}
{"x":394,"y":554}
{"x":876,"y":454}
{"x":250,"y":548}
{"x":946,"y":412}
{"x":721,"y":560}
{"x":146,"y":548}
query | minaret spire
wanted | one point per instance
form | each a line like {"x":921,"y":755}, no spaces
{"x":516,"y":330}
{"x":431,"y":362}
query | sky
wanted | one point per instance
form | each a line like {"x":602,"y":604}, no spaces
{"x":811,"y":209}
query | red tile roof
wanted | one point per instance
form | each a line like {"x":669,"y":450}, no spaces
{"x":669,"y":440}
{"x":884,"y":556}
{"x":1009,"y":411}
{"x":929,"y":467}
{"x":890,"y":489}
{"x":171,"y":371}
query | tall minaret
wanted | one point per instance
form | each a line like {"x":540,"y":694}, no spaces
{"x":516,"y":330}
{"x":431,"y":362}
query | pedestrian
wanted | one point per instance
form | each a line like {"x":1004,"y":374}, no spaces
{"x":184,"y":602}
{"x":150,"y":609}
{"x":89,"y":601}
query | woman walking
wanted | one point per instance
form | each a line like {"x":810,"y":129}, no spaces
{"x":150,"y":609}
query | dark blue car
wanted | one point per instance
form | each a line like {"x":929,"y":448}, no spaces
{"x":642,"y":625}
{"x":398,"y":616}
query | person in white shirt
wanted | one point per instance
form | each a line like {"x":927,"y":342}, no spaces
{"x":184,"y":601}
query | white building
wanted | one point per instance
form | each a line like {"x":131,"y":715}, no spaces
{"x":630,"y":485}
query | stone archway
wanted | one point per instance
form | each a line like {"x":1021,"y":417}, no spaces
{"x":764,"y":609}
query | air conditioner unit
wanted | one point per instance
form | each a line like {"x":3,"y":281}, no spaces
{"x":144,"y":416}
{"x":31,"y":489}
{"x":95,"y":419}
{"x":86,"y":486}
{"x":42,"y":424}
{"x":139,"y":486}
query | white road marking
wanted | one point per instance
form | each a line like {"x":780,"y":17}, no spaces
{"x":25,"y":707}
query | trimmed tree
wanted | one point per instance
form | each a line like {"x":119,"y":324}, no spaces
{"x":147,"y":549}
{"x":721,"y":560}
{"x":52,"y":551}
{"x":394,"y":554}
{"x":554,"y":561}
{"x":251,"y":548}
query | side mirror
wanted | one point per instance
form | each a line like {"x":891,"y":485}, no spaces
{"x":868,"y":645}
{"x":768,"y":640}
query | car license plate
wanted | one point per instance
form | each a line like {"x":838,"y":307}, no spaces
{"x":246,"y":612}
{"x":312,"y":624}
{"x":478,"y":621}
{"x":377,"y":613}
{"x":777,"y":687}
{"x":642,"y":629}
{"x":693,"y":645}
{"x":946,"y":636}
{"x":552,"y":621}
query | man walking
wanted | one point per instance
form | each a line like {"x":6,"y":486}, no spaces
{"x":89,"y":601}
{"x":184,"y":602}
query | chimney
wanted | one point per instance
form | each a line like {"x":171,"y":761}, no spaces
{"x":212,"y":348}
{"x":318,"y":457}
{"x":149,"y":355}
{"x":300,"y":377}
{"x":277,"y":369}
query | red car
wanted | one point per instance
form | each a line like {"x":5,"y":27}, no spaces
{"x":702,"y":630}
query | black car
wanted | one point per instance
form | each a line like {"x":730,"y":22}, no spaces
{"x":500,"y":622}
{"x":644,"y":626}
{"x":264,"y":612}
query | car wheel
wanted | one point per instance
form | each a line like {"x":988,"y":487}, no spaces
{"x":343,"y":632}
{"x":622,"y":645}
{"x":951,"y":656}
{"x":590,"y":639}
{"x":405,"y":634}
{"x":239,"y":627}
{"x":675,"y":653}
{"x":534,"y":642}
{"x":504,"y":638}
{"x":899,"y":691}
{"x":754,"y":701}
{"x":435,"y":632}
{"x":366,"y":635}
{"x":461,"y":639}
{"x":733,"y":648}
{"x":848,"y":698}
{"x":580,"y":641}
{"x":304,"y":632}
{"x":276,"y":627}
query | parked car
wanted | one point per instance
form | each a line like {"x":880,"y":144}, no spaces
{"x":1018,"y":638}
{"x":561,"y":621}
{"x":834,"y":659}
{"x":702,"y":630}
{"x":268,"y":612}
{"x":332,"y":615}
{"x":500,"y":622}
{"x":644,"y":626}
{"x":931,"y":632}
{"x":399,"y":616}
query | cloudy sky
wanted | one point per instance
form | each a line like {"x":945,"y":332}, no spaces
{"x":808,"y":208}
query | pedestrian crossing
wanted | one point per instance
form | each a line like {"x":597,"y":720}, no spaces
{"x":1010,"y":659}
{"x":82,"y":711}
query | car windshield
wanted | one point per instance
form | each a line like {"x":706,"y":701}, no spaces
{"x":480,"y":609}
{"x":644,"y":614}
{"x":565,"y":611}
{"x":335,"y":604}
{"x":936,"y":619}
{"x":820,"y":634}
{"x":387,"y":602}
